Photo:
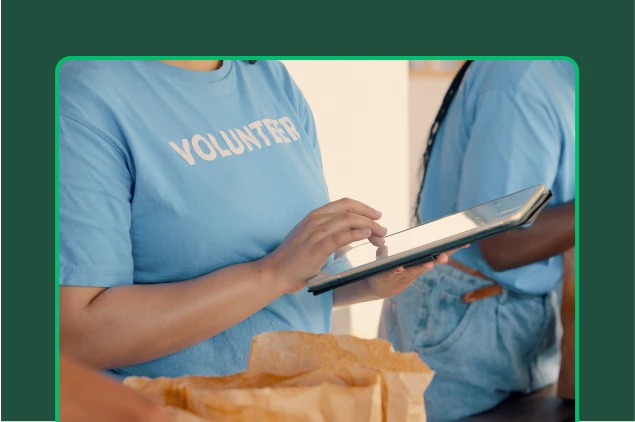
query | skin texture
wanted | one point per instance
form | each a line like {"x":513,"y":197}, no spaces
{"x":552,"y":233}
{"x":88,"y":396}
{"x":126,"y":325}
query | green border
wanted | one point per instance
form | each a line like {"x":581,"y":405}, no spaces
{"x":577,"y":168}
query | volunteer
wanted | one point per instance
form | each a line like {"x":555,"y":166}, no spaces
{"x":488,"y":322}
{"x":193,"y":210}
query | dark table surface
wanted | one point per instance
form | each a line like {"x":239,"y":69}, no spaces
{"x":542,"y":406}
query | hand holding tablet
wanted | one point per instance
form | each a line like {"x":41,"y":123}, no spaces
{"x":426,"y":243}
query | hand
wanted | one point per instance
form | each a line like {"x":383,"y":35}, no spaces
{"x":395,"y":281}
{"x":319,"y":235}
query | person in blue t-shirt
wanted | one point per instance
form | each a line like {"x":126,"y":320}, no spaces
{"x":488,"y":323}
{"x":193,"y":210}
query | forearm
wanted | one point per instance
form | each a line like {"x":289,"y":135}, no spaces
{"x":353,"y":293}
{"x":86,"y":396}
{"x":126,"y":325}
{"x":552,"y":233}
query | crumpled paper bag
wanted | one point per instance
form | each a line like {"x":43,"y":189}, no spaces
{"x":314,"y":396}
{"x":178,"y":415}
{"x":250,"y":414}
{"x":300,"y":377}
{"x":404,"y":375}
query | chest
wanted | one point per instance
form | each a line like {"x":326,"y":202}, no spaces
{"x":214,"y":188}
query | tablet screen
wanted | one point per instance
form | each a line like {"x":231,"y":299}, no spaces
{"x":434,"y":231}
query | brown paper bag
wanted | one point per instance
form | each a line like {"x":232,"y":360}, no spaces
{"x":231,"y":415}
{"x":404,"y":376}
{"x":178,"y":415}
{"x":314,"y":396}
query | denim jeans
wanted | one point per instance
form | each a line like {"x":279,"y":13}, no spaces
{"x":480,"y":352}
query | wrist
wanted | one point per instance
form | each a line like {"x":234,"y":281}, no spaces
{"x":268,"y":276}
{"x":367,"y":289}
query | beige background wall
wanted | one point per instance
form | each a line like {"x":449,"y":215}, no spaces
{"x":372,"y":120}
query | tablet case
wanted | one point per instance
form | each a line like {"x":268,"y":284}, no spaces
{"x":333,"y":282}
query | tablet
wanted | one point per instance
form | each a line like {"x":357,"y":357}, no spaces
{"x":426,"y":242}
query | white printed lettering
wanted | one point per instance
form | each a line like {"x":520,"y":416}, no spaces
{"x":281,"y":132}
{"x":257,"y":126}
{"x":235,"y":149}
{"x":223,"y":152}
{"x":248,"y":138}
{"x":272,"y":130}
{"x":185,"y":152}
{"x":233,"y":134}
{"x":290,"y":128}
{"x":207,"y":156}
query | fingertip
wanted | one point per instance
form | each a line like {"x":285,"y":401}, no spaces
{"x":377,"y":241}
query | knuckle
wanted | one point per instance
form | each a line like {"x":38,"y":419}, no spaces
{"x":311,"y":219}
{"x":336,"y":238}
{"x":318,"y":234}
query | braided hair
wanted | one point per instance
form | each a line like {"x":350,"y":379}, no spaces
{"x":445,"y":105}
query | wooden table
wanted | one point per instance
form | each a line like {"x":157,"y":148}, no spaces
{"x":543,"y":406}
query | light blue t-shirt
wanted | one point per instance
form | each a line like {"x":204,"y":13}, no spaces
{"x":167,"y":174}
{"x":511,"y":126}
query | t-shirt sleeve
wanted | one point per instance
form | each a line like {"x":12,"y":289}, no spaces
{"x":95,"y":192}
{"x":303,"y":109}
{"x":308,"y":123}
{"x":514,"y":144}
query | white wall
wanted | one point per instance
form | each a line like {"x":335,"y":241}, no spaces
{"x":361,"y":113}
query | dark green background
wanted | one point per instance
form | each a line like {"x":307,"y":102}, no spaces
{"x":599,"y":36}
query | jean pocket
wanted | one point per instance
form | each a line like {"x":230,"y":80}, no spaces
{"x":388,"y":322}
{"x":443,"y":319}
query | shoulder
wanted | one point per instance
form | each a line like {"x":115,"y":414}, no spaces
{"x":274,"y":69}
{"x":278,"y":75}
{"x":88,"y":87}
{"x":82,"y":75}
{"x":91,"y":94}
{"x":515,"y":77}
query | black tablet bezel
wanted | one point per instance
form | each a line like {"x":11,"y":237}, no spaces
{"x":431,"y":255}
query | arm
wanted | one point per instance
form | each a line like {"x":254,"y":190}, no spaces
{"x":87,"y":396}
{"x":129,"y":324}
{"x":105,"y":319}
{"x":353,"y":293}
{"x":566,"y":380}
{"x":515,"y":143}
{"x":552,"y":233}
